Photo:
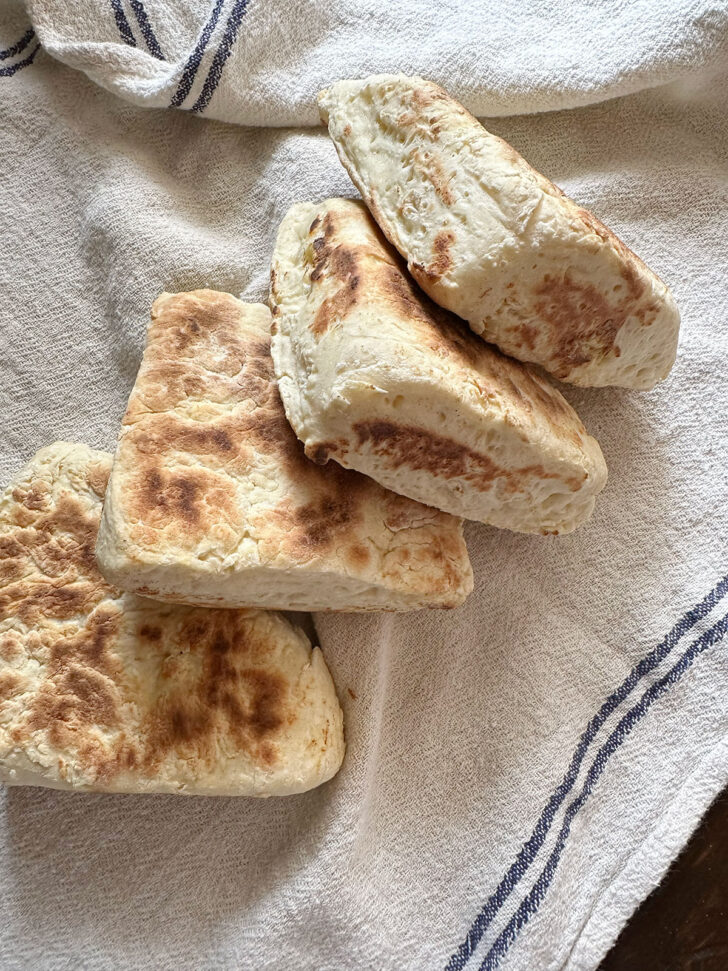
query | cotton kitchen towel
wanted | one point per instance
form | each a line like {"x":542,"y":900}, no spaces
{"x":520,"y":772}
{"x":261,"y":62}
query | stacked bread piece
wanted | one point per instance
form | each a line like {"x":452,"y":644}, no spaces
{"x":380,"y":379}
{"x":212,"y":500}
{"x":103,"y":690}
{"x":322,"y":458}
{"x":492,"y":240}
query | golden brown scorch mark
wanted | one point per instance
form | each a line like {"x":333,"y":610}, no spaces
{"x":97,"y":476}
{"x":190,"y":318}
{"x":35,"y":496}
{"x":218,"y":692}
{"x":48,"y":565}
{"x":358,"y":555}
{"x":631,"y":261}
{"x":440,"y":331}
{"x":32,"y":602}
{"x":10,"y":647}
{"x":206,"y":331}
{"x":168,"y":432}
{"x":195,"y":499}
{"x":428,"y":162}
{"x":375,"y":268}
{"x":231,"y":698}
{"x":382,"y":275}
{"x":529,"y":335}
{"x":325,"y":516}
{"x":178,"y":495}
{"x":427,"y":95}
{"x":10,"y":684}
{"x":60,"y":536}
{"x":312,"y":528}
{"x":443,"y":457}
{"x":582,"y":322}
{"x":441,"y":260}
{"x":335,"y":308}
{"x":79,"y":691}
{"x":417,"y":448}
{"x":226,"y":691}
{"x":337,"y":262}
{"x":320,"y":452}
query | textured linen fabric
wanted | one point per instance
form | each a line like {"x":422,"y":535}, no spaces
{"x":521,"y":771}
{"x":261,"y":62}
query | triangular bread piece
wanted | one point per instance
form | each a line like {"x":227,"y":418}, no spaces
{"x":492,"y":240}
{"x":377,"y":377}
{"x":212,"y":500}
{"x":102,"y":690}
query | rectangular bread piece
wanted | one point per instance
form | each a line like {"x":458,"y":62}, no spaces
{"x":212,"y":500}
{"x":489,"y":238}
{"x":377,"y":377}
{"x":102,"y":690}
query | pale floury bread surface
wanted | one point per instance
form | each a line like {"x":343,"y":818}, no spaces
{"x":102,"y":690}
{"x":376,"y":376}
{"x":212,"y":501}
{"x":491,"y":239}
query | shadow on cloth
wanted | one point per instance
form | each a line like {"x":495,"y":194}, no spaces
{"x":639,"y":494}
{"x":119,"y":863}
{"x":452,"y":681}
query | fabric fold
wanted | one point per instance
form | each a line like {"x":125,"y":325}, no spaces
{"x":252,"y":62}
{"x":505,"y":800}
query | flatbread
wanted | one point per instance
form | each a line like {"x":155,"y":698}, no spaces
{"x":375,"y":376}
{"x":212,"y":501}
{"x":102,"y":690}
{"x":492,"y":240}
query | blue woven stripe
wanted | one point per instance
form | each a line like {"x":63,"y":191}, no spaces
{"x":533,"y":900}
{"x":192,"y":66}
{"x":122,"y":23}
{"x":6,"y":72}
{"x":221,"y":55}
{"x":530,"y":849}
{"x":146,"y":29}
{"x":20,"y":46}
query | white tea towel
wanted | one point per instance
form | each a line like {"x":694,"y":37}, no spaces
{"x":261,"y":62}
{"x":520,"y":772}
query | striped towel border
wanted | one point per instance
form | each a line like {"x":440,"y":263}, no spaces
{"x":124,"y":27}
{"x":228,"y":36}
{"x":528,"y":853}
{"x":222,"y":52}
{"x":6,"y":54}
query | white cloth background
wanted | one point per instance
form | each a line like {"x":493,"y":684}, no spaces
{"x":461,"y":726}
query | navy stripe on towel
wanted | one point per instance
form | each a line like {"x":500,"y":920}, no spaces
{"x":193,"y":62}
{"x":6,"y":72}
{"x":20,"y":46}
{"x":146,"y":28}
{"x":530,"y":849}
{"x":532,"y":901}
{"x":122,"y":23}
{"x":221,"y":55}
